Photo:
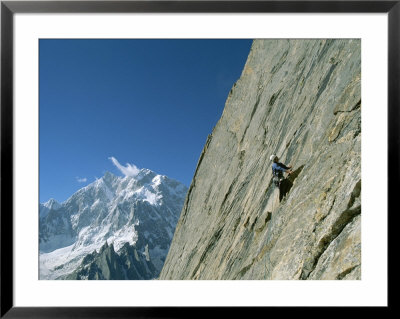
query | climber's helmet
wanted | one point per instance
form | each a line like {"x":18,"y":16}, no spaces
{"x":273,"y":158}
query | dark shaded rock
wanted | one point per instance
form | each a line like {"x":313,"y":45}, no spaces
{"x":108,"y":265}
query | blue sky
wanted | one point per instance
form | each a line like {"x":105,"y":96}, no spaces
{"x":148,"y":103}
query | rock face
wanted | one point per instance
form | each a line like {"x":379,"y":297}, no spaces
{"x":301,"y":100}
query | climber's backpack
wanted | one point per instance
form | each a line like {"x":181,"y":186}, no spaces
{"x":277,"y":177}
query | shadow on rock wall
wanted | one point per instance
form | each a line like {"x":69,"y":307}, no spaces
{"x":287,"y":183}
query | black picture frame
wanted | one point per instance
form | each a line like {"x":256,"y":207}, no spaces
{"x":9,"y":8}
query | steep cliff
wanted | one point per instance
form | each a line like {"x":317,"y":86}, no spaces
{"x":299,"y":99}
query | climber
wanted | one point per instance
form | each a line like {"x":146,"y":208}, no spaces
{"x":278,"y":169}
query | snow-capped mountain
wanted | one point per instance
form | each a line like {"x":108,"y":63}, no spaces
{"x":51,"y":204}
{"x":118,"y":215}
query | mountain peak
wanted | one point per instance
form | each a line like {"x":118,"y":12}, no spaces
{"x":46,"y":207}
{"x":52,"y":204}
{"x":108,"y":176}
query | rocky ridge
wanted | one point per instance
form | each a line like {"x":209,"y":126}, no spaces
{"x":299,"y":99}
{"x":128,"y":264}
